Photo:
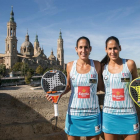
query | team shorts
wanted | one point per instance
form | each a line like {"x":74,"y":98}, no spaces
{"x":83,"y":125}
{"x":120,"y":124}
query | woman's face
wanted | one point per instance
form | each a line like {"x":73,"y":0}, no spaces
{"x":113,"y":50}
{"x":83,"y":50}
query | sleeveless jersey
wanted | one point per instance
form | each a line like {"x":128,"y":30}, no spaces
{"x":83,"y":100}
{"x":117,"y":99}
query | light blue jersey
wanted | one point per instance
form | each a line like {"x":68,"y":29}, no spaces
{"x":117,"y":99}
{"x":83,"y":100}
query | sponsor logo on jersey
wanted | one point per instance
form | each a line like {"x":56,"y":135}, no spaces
{"x":125,"y":74}
{"x":118,"y":94}
{"x":93,"y":75}
{"x":93,"y":81}
{"x":97,"y":128}
{"x":72,"y":77}
{"x":125,"y":79}
{"x":83,"y":92}
{"x":136,"y":127}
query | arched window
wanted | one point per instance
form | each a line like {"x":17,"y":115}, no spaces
{"x":14,"y":33}
{"x":11,"y":32}
{"x":13,"y":47}
{"x":8,"y":47}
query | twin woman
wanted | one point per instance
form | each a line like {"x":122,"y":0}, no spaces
{"x":85,"y":77}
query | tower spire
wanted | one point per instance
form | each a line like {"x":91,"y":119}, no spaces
{"x":60,"y":35}
{"x":11,"y":42}
{"x":27,"y":31}
{"x":52,"y":51}
{"x":12,"y":15}
{"x":36,"y":38}
{"x":60,"y":50}
{"x":27,"y":36}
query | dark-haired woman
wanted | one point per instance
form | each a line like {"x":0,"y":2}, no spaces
{"x":119,"y":113}
{"x":83,"y":75}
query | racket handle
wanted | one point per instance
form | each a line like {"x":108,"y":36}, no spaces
{"x":55,"y":109}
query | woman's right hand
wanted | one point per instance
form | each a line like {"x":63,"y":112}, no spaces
{"x":49,"y":98}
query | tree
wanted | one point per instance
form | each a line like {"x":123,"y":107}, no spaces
{"x":24,"y":69}
{"x":28,"y":78}
{"x":17,"y":66}
{"x":31,"y":71}
{"x":39,"y":70}
{"x":65,"y":72}
{"x":2,"y":70}
{"x":48,"y":69}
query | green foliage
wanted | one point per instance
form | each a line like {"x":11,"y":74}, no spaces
{"x":65,"y":72}
{"x":47,"y":70}
{"x":2,"y":70}
{"x":138,"y":71}
{"x":39,"y":70}
{"x":17,"y":66}
{"x":24,"y":69}
{"x":31,"y":71}
{"x":28,"y":78}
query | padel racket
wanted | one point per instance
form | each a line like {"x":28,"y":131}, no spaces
{"x":134,"y":90}
{"x":54,"y":83}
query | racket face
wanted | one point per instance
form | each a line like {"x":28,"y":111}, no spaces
{"x":54,"y":83}
{"x":134,"y":90}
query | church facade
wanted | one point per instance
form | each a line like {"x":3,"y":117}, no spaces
{"x":31,"y":54}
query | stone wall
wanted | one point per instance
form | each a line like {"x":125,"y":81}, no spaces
{"x":25,"y":114}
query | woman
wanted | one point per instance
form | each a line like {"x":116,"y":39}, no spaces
{"x":119,"y":113}
{"x":83,"y":75}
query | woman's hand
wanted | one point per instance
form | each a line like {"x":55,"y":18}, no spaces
{"x":49,"y":98}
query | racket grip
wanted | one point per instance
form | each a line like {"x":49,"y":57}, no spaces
{"x":55,"y":109}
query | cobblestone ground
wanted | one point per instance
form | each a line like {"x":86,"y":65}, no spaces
{"x":25,"y":114}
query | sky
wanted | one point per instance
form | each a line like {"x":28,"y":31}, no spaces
{"x":95,"y":19}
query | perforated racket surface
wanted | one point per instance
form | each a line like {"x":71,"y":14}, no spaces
{"x":134,"y":90}
{"x":54,"y":83}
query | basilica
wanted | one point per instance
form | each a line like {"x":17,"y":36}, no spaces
{"x":32,"y":54}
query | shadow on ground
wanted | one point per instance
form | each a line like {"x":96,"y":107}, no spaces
{"x":19,"y":121}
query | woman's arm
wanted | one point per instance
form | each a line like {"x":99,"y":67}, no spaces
{"x":100,"y":86}
{"x":132,"y":68}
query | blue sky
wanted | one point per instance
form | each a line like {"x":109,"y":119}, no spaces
{"x":95,"y":19}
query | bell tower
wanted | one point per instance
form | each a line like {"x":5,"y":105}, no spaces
{"x":60,"y":50}
{"x":11,"y":42}
{"x":36,"y":45}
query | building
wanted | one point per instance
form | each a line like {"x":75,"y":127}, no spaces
{"x":31,"y":54}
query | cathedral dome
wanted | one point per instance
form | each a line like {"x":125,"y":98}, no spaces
{"x":27,"y":47}
{"x":52,"y":57}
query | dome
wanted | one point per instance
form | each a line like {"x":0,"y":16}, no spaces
{"x":27,"y":47}
{"x":27,"y":44}
{"x":52,"y":57}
